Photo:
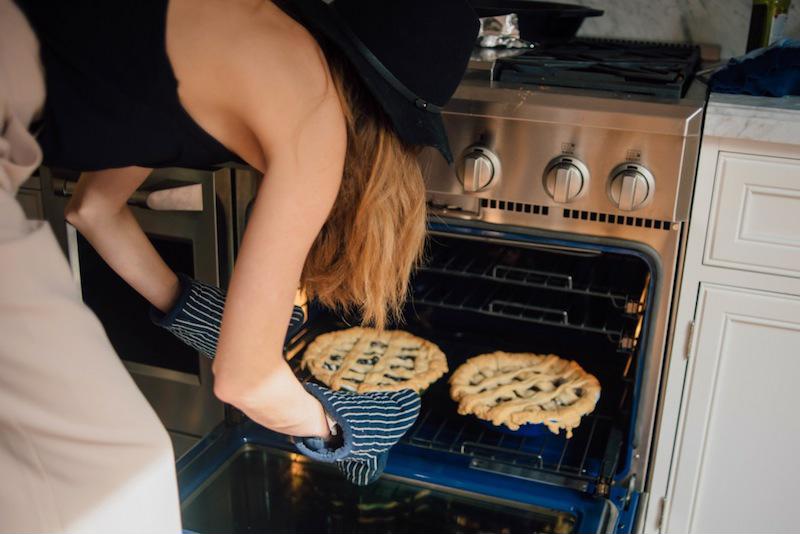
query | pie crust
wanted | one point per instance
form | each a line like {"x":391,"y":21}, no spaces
{"x":362,"y":360}
{"x":515,"y":389}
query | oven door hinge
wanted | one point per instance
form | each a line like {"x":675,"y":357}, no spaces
{"x":689,"y":341}
{"x":662,"y":507}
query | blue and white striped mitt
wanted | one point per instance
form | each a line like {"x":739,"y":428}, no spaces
{"x":196,"y":316}
{"x":369,"y":423}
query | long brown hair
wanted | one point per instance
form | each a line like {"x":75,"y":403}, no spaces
{"x":374,"y":236}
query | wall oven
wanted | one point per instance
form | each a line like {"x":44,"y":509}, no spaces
{"x":198,"y":239}
{"x":560,"y":231}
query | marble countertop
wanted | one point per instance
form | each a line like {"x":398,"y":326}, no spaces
{"x":757,"y":118}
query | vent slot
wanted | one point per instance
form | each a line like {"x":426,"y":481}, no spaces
{"x":611,"y":218}
{"x":518,"y":207}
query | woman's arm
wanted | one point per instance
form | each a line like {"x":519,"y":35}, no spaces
{"x":99,"y":210}
{"x":249,"y":368}
{"x":295,"y":114}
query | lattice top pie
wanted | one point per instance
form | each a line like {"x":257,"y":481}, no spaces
{"x":520,"y":388}
{"x":362,"y":360}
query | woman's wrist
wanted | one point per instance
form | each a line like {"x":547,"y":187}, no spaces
{"x":302,"y":416}
{"x":254,"y":386}
{"x":320,"y":424}
{"x":170,"y":291}
{"x":274,"y":398}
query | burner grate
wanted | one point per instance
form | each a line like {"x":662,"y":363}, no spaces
{"x":654,"y":69}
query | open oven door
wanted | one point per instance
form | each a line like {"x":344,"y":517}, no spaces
{"x":245,"y":478}
{"x":451,"y":473}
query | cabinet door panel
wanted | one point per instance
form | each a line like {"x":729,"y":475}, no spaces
{"x":737,"y":462}
{"x":755,"y":215}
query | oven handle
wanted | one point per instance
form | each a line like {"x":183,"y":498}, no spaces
{"x":183,"y":198}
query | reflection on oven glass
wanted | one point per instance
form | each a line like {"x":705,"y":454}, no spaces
{"x":270,"y":491}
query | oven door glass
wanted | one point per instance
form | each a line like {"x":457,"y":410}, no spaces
{"x":125,"y":314}
{"x":243,"y":479}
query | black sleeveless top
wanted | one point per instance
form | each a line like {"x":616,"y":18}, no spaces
{"x":112,"y":97}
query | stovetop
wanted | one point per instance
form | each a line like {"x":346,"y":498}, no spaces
{"x":560,"y":158}
{"x":632,"y":67}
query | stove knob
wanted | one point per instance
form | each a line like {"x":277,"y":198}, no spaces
{"x":478,"y":168}
{"x":631,"y":186}
{"x":565,"y":179}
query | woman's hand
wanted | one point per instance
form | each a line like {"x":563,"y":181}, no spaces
{"x":370,"y":424}
{"x":279,"y":402}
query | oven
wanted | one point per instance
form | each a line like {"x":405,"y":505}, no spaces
{"x":196,"y":235}
{"x":481,"y":290}
{"x":541,"y":239}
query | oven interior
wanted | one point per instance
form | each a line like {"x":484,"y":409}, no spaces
{"x":481,"y":294}
{"x":473,"y":296}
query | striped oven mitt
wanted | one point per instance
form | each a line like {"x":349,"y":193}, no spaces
{"x":196,"y":316}
{"x":368,"y":424}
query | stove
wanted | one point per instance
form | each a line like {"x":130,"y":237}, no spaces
{"x":633,"y":67}
{"x":590,"y":143}
{"x":558,"y":230}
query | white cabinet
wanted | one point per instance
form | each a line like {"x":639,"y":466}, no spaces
{"x":755,"y":216}
{"x":737,"y":464}
{"x":727,"y":452}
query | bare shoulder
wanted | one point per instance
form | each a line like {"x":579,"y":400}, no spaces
{"x":210,"y":30}
{"x":251,"y":67}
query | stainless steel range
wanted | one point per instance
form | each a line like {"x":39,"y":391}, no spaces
{"x":580,"y":166}
{"x":558,"y":230}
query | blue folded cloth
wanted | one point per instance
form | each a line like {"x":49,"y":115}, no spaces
{"x":772,"y":71}
{"x":196,"y":316}
{"x":370,"y":423}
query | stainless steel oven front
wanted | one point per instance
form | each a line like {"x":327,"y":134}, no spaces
{"x":197,"y":239}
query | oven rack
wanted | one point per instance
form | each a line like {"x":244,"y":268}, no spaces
{"x":549,"y":458}
{"x":623,"y":330}
{"x":478,"y":268}
{"x":586,"y":462}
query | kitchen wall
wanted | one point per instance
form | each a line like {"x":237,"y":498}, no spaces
{"x":722,"y":22}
